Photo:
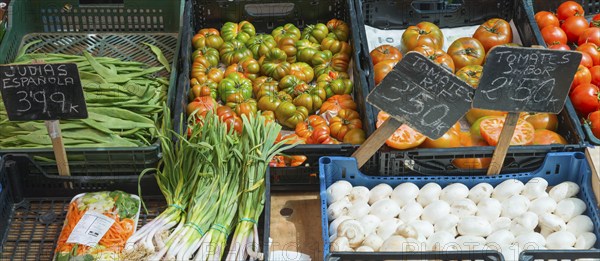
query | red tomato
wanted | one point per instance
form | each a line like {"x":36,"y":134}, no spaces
{"x":382,"y":69}
{"x":595,"y":75}
{"x":595,"y":21}
{"x":385,"y":52}
{"x":560,"y":46}
{"x":404,"y":138}
{"x":574,"y":27}
{"x":545,"y":18}
{"x":585,"y":98}
{"x":472,"y":163}
{"x":590,"y":35}
{"x":586,"y":60}
{"x":547,"y":137}
{"x":582,"y":76}
{"x":201,"y":105}
{"x":568,"y":9}
{"x":554,"y":35}
{"x":493,"y":32}
{"x":594,"y":119}
{"x":592,"y":49}
{"x":466,"y":51}
{"x":437,"y":56}
{"x":546,"y":121}
{"x":491,"y":127}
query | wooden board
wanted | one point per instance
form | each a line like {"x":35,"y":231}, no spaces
{"x":299,"y":228}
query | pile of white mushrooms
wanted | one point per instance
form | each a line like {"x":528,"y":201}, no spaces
{"x":508,"y":218}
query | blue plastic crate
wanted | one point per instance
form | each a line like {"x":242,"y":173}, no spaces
{"x":557,"y":168}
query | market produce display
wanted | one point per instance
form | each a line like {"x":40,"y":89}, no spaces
{"x":124,"y":102}
{"x":298,"y":78}
{"x":570,"y":30}
{"x":508,"y":218}
{"x":213,"y":180}
{"x":122,"y":208}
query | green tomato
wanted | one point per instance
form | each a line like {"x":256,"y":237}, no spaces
{"x":260,"y":44}
{"x":271,"y":101}
{"x":242,"y":31}
{"x":311,"y":99}
{"x":306,"y":50}
{"x":289,"y":115}
{"x":235,"y":84}
{"x":287,"y":30}
{"x":275,"y":64}
{"x":315,"y":33}
{"x":234,"y":51}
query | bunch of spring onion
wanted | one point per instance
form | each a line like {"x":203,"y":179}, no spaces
{"x":261,"y":138}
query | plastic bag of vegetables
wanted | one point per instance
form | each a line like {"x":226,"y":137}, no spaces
{"x":97,"y":226}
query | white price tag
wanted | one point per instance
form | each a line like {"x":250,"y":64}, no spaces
{"x":90,"y":229}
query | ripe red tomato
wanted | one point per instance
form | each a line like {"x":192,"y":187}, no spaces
{"x":568,"y":9}
{"x":590,"y":35}
{"x":595,"y":21}
{"x":595,"y":75}
{"x":586,"y":60}
{"x":585,"y":98}
{"x":385,"y":52}
{"x":547,"y":137}
{"x":594,"y":119}
{"x":582,"y":76}
{"x":451,"y":139}
{"x":546,"y":121}
{"x":592,"y":49}
{"x":404,"y":138}
{"x":437,"y":56}
{"x":574,"y":27}
{"x":424,"y":33}
{"x":545,"y":18}
{"x":560,"y":46}
{"x":466,"y":51}
{"x":494,"y":32}
{"x":382,"y":69}
{"x":201,"y":105}
{"x":554,"y":35}
{"x":491,"y":127}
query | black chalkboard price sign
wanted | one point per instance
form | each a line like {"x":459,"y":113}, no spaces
{"x":419,"y":93}
{"x":518,"y":79}
{"x":42,"y":92}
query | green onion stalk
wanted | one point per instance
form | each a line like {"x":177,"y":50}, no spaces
{"x":176,"y":175}
{"x":262,"y":147}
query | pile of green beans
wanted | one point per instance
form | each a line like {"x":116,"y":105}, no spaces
{"x":124,"y":101}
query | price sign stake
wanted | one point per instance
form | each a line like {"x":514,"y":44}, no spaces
{"x":518,"y":79}
{"x":421,"y":94}
{"x":49,"y":92}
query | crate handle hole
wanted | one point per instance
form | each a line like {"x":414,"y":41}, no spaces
{"x":557,"y":169}
{"x":271,"y":9}
{"x":286,"y":212}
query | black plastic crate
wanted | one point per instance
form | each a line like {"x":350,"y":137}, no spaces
{"x":265,"y":16}
{"x":33,"y":205}
{"x":591,"y":7}
{"x":421,"y":161}
{"x":115,"y":28}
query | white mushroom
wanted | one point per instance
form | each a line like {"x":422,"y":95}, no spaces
{"x":560,"y":240}
{"x":474,"y":226}
{"x":364,"y":249}
{"x":370,"y":223}
{"x":446,"y":223}
{"x":501,"y":237}
{"x":530,"y":240}
{"x":353,"y":231}
{"x":543,"y":205}
{"x":338,"y":209}
{"x":463,"y":208}
{"x":585,"y":240}
{"x":384,"y":209}
{"x":388,"y":227}
{"x":341,"y":245}
{"x":359,"y":194}
{"x":580,"y":224}
{"x":480,"y":191}
{"x":429,"y":193}
{"x":411,"y":211}
{"x":470,"y":242}
{"x":393,"y":244}
{"x":424,"y":228}
{"x":524,"y":223}
{"x":332,"y":237}
{"x":535,"y":188}
{"x":510,"y":252}
{"x":413,"y":245}
{"x":335,"y":223}
{"x":379,"y":192}
{"x":440,"y":239}
{"x":508,"y":188}
{"x":564,"y":190}
{"x":489,"y":208}
{"x":515,"y":206}
{"x":359,"y":210}
{"x":338,"y":191}
{"x":405,"y":193}
{"x":569,"y":208}
{"x":373,"y":241}
{"x":436,"y":209}
{"x":407,"y":231}
{"x":552,"y":222}
{"x":501,"y":223}
{"x":454,"y":192}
